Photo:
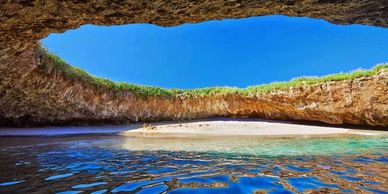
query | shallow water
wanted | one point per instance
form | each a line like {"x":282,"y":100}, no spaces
{"x":114,"y":164}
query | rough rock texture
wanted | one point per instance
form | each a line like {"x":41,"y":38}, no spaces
{"x":37,"y":96}
{"x":29,"y":95}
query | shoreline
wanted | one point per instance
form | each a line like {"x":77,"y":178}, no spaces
{"x":65,"y":130}
{"x":246,"y":127}
{"x":195,"y":128}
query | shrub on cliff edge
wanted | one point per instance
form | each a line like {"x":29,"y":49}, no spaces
{"x":52,"y":64}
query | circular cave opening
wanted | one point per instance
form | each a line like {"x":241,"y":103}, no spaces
{"x":231,"y":52}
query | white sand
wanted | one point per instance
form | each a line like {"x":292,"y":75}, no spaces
{"x":240,"y":128}
{"x":220,"y":127}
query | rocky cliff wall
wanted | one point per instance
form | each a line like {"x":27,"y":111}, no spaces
{"x":40,"y":96}
{"x":30,"y":95}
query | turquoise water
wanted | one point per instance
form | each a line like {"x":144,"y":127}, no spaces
{"x":116,"y":164}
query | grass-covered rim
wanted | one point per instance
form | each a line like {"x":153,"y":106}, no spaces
{"x":52,"y":64}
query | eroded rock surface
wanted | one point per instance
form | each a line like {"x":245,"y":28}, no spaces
{"x":42,"y":96}
{"x":30,"y":95}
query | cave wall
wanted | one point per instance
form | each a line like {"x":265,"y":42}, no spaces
{"x":27,"y":94}
{"x":23,"y":23}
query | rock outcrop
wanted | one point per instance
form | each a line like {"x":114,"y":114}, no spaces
{"x":41,"y":95}
{"x":29,"y":95}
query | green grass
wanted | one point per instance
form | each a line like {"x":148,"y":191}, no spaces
{"x":53,"y":64}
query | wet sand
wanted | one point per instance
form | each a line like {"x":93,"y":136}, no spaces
{"x":63,"y":130}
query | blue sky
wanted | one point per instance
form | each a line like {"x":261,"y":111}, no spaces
{"x":238,"y":52}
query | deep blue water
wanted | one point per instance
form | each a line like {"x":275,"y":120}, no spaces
{"x":115,"y":164}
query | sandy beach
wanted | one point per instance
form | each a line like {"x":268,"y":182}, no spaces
{"x":230,"y":127}
{"x":216,"y":127}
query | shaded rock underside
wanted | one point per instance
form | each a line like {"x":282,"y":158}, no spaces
{"x":30,"y":95}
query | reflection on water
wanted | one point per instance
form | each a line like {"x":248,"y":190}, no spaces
{"x":114,"y":164}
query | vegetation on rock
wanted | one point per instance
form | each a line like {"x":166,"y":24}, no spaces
{"x":52,"y":64}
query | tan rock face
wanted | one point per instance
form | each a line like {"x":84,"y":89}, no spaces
{"x":30,"y":95}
